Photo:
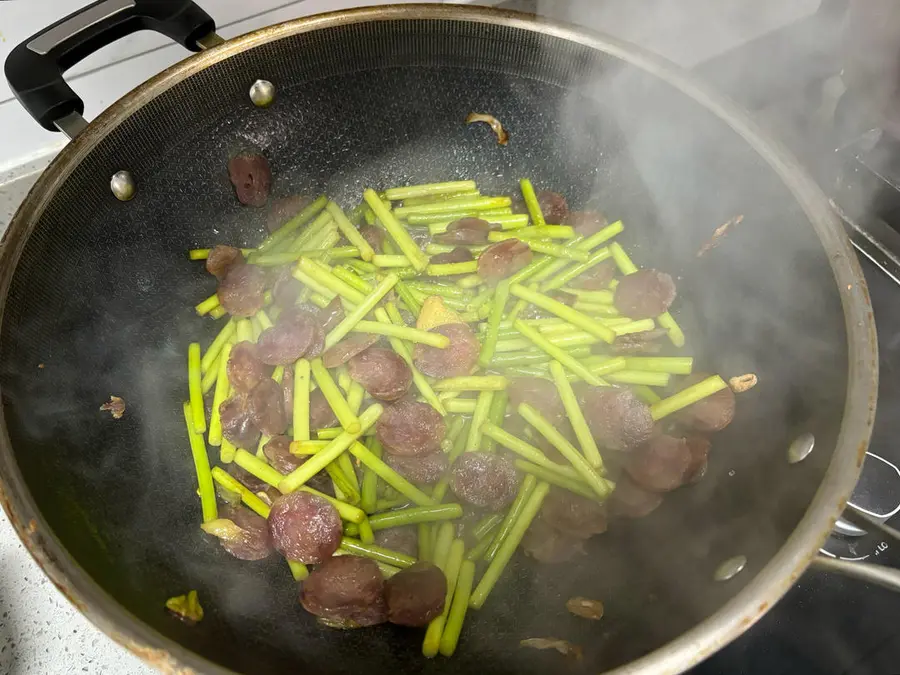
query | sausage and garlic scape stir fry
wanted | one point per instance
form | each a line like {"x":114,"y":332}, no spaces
{"x":407,"y":393}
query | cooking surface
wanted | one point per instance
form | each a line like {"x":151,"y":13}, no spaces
{"x":825,"y":625}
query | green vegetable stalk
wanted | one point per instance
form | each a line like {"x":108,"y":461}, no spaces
{"x":201,"y":466}
{"x":509,"y":546}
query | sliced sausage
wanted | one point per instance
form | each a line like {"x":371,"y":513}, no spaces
{"x":458,"y":254}
{"x":321,"y":416}
{"x":278,"y":454}
{"x":265,"y":405}
{"x":630,"y":500}
{"x":244,"y":369}
{"x":503,"y":259}
{"x":485,"y":480}
{"x":331,"y":315}
{"x":286,"y":290}
{"x":425,"y":470}
{"x":645,"y":294}
{"x":618,"y":419}
{"x":293,"y":337}
{"x":347,"y":348}
{"x":348,"y":590}
{"x":237,"y":424}
{"x":548,"y":545}
{"x":382,"y":373}
{"x":252,"y":178}
{"x":699,"y":447}
{"x":250,"y":540}
{"x":596,"y":277}
{"x":415,"y":595}
{"x":553,"y":206}
{"x":660,"y":464}
{"x":585,"y":223}
{"x":710,"y":414}
{"x":411,"y":429}
{"x":242,"y":290}
{"x":468,"y":231}
{"x":456,"y":360}
{"x":221,"y":259}
{"x":373,"y":235}
{"x":304,"y":527}
{"x":573,"y":514}
{"x":540,"y":394}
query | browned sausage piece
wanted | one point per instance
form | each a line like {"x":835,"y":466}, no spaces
{"x":415,"y":595}
{"x":458,"y":254}
{"x":645,"y":294}
{"x":585,"y":223}
{"x":347,"y":348}
{"x":244,"y":369}
{"x":573,"y":514}
{"x":331,"y":315}
{"x":425,"y":470}
{"x":237,"y":425}
{"x":660,"y":464}
{"x":632,"y":501}
{"x":710,"y":414}
{"x":503,"y":259}
{"x":347,"y":590}
{"x":548,"y":545}
{"x":292,"y":337}
{"x":382,"y":373}
{"x":411,"y":429}
{"x":286,"y":290}
{"x":265,"y":405}
{"x":618,"y":419}
{"x":285,"y":208}
{"x":553,"y":206}
{"x":242,"y":290}
{"x":278,"y":454}
{"x":400,"y":539}
{"x":595,"y":278}
{"x":647,"y":342}
{"x":318,"y":343}
{"x":456,"y":360}
{"x":468,"y":231}
{"x":249,"y":481}
{"x":540,"y":394}
{"x":251,"y":177}
{"x":485,"y":480}
{"x":304,"y":527}
{"x":252,"y":540}
{"x":563,"y":297}
{"x":321,"y":416}
{"x":699,"y":447}
{"x":373,"y":235}
{"x":223,"y":258}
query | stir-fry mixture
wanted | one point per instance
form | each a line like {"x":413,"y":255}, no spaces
{"x":406,"y":394}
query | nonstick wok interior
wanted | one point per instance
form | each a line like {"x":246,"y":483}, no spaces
{"x":102,"y":299}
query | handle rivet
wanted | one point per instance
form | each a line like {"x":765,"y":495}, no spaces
{"x":122,"y":185}
{"x":262,"y":93}
{"x":801,"y":447}
{"x":730,"y":568}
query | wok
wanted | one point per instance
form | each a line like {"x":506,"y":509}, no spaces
{"x":97,"y":299}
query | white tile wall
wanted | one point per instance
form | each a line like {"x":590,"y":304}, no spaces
{"x":107,"y":75}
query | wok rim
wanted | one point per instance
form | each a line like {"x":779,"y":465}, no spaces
{"x":690,"y":648}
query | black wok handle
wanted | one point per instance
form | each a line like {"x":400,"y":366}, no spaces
{"x":35,"y":68}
